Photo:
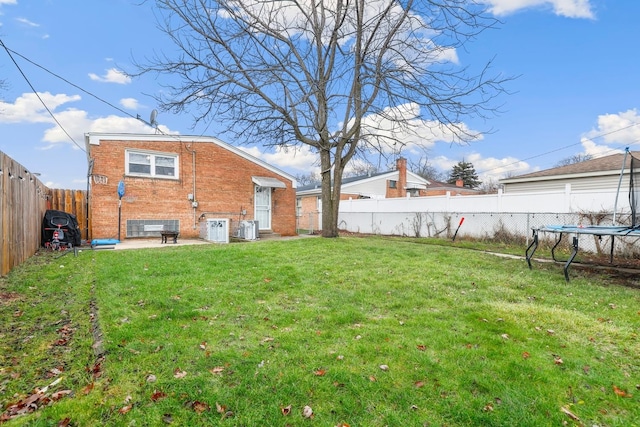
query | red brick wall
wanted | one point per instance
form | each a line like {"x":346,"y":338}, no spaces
{"x":223,"y":188}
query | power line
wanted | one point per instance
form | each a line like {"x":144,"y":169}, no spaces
{"x":38,"y":96}
{"x":568,"y":146}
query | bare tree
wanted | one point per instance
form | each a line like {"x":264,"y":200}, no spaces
{"x":425,"y":169}
{"x":340,"y":76}
{"x":308,"y":179}
{"x":576,"y":158}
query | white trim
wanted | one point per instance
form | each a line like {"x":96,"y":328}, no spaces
{"x":152,"y":164}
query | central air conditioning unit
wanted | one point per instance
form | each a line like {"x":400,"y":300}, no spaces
{"x":248,"y":230}
{"x":215,"y":230}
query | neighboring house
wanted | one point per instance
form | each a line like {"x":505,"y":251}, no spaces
{"x":437,"y":188}
{"x":182,"y":183}
{"x":591,"y":175}
{"x":385,"y":185}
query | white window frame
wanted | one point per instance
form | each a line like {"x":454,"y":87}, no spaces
{"x":152,"y":156}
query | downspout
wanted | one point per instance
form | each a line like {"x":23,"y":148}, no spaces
{"x":194,"y":202}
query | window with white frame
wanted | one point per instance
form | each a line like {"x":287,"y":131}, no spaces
{"x":156,"y":165}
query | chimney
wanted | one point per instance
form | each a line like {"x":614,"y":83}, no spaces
{"x":459,"y":183}
{"x":401,"y":166}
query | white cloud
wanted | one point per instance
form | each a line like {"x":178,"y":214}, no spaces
{"x":296,"y":158}
{"x":568,"y":8}
{"x":28,"y":108}
{"x":112,"y":75}
{"x":612,"y":133}
{"x":402,"y":128}
{"x":27,"y":22}
{"x":488,"y":168}
{"x":129,"y":103}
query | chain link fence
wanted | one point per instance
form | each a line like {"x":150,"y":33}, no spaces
{"x":511,"y":228}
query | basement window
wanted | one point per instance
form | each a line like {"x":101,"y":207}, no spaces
{"x":150,"y":164}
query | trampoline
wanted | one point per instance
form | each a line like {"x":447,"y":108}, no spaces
{"x":611,"y":231}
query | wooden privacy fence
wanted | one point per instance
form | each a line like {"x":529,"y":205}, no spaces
{"x":24,"y":200}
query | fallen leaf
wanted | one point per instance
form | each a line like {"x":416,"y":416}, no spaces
{"x":179,"y":374}
{"x":88,"y":388}
{"x":307,"y":412}
{"x":221,"y":408}
{"x":151,"y":378}
{"x":488,"y":407}
{"x":525,"y":355}
{"x":60,"y":394}
{"x":419,"y":384}
{"x":267,"y":280}
{"x":558,"y":360}
{"x":216,"y":370}
{"x":320,"y":373}
{"x":372,"y":378}
{"x":167,"y":418}
{"x":64,"y":422}
{"x":200,"y":407}
{"x":570,"y":414}
{"x":384,"y":367}
{"x":157,"y":395}
{"x":421,"y":347}
{"x":343,"y":425}
{"x":203,"y":345}
{"x":286,"y":410}
{"x":621,"y":392}
{"x":505,"y":336}
{"x":125,"y":409}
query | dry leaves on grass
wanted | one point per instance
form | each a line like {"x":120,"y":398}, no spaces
{"x":622,"y":393}
{"x":307,"y":412}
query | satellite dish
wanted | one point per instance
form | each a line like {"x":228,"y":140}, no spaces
{"x":152,"y":119}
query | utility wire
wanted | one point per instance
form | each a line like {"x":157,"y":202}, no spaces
{"x":567,"y":146}
{"x":137,"y":117}
{"x":38,"y":96}
{"x":68,"y":82}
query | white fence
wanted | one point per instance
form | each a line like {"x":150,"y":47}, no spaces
{"x":504,"y":217}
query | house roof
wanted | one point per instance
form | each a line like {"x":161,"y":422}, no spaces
{"x":94,"y":138}
{"x":413,"y":181}
{"x":606,"y":165}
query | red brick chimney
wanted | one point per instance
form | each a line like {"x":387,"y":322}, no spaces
{"x":401,"y":166}
{"x":459,"y":183}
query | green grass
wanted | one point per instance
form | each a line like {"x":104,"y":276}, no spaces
{"x":470,"y":339}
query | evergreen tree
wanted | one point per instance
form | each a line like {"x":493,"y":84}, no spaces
{"x":466,"y":172}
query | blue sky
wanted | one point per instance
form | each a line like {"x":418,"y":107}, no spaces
{"x":578,"y":90}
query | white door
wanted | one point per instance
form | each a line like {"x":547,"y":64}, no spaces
{"x":263,"y":207}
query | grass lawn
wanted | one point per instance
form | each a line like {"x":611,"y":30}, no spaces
{"x":315,"y":332}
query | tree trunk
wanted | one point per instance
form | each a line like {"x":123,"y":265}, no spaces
{"x":331,"y":183}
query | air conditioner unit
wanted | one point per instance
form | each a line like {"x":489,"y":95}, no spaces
{"x":248,"y":230}
{"x":215,"y":230}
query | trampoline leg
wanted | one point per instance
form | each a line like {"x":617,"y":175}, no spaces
{"x":553,"y":249}
{"x":613,"y":239}
{"x":573,"y":255}
{"x":532,"y":247}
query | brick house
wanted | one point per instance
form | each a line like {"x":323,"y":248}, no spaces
{"x":391,"y":184}
{"x":182,"y":183}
